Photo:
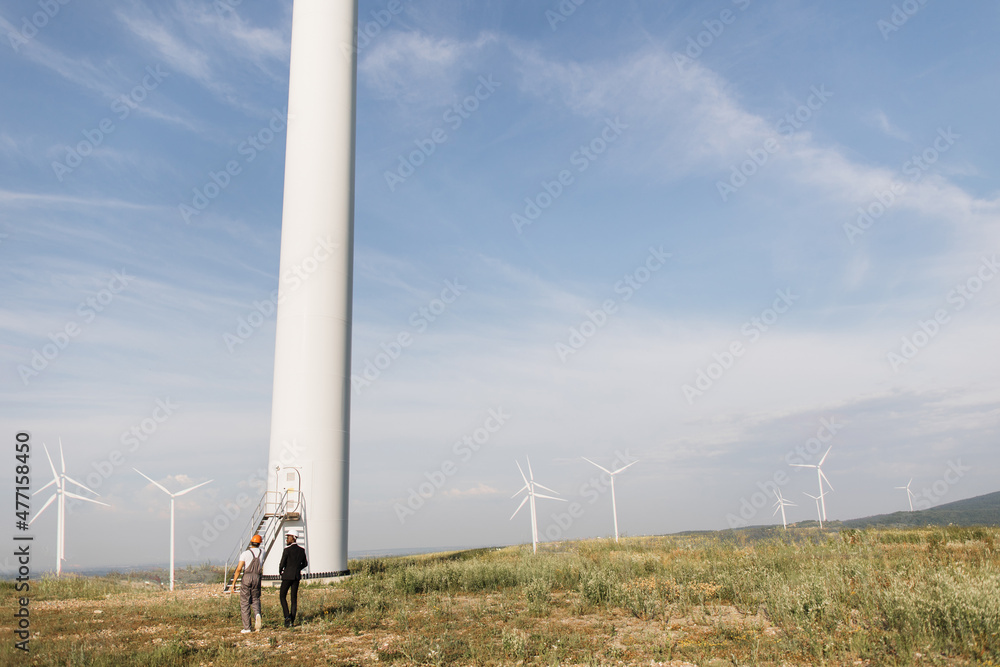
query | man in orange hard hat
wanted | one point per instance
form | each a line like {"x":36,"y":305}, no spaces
{"x":252,"y":566}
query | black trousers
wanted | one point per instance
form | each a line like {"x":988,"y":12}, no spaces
{"x":292,"y":586}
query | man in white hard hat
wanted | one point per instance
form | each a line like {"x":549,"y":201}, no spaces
{"x":293,"y":559}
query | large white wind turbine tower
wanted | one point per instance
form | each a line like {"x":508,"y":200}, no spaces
{"x":308,"y":459}
{"x":910,"y":495}
{"x":60,"y":479}
{"x":781,"y":505}
{"x":529,"y":485}
{"x":172,"y":496}
{"x":614,"y":506}
{"x":820,"y":477}
{"x":818,"y":500}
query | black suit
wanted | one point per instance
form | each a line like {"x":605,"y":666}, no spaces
{"x":293,"y":559}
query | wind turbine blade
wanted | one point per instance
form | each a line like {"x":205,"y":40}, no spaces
{"x":519,"y":507}
{"x":908,"y":484}
{"x":161,"y":487}
{"x":823,"y":475}
{"x":522,"y":474}
{"x":623,"y":467}
{"x":89,"y":500}
{"x":811,"y":496}
{"x":538,"y":495}
{"x":546,"y":488}
{"x":62,"y":457}
{"x":802,"y":465}
{"x":824,"y":456}
{"x":181,"y":493}
{"x":776,"y":510}
{"x":789,"y":503}
{"x":82,"y":486}
{"x":51,"y":464}
{"x":530,"y":473}
{"x":519,"y":491}
{"x":44,"y":487}
{"x":594,"y":464}
{"x":44,"y":507}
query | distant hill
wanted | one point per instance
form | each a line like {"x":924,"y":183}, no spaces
{"x":978,"y":511}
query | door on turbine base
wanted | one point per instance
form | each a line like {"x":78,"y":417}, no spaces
{"x":290,"y":487}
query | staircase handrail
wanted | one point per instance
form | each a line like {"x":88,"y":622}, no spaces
{"x":259,"y":514}
{"x":255,"y":518}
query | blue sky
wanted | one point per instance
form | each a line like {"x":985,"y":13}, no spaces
{"x":696,"y":234}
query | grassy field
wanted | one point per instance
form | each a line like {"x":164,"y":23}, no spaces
{"x":879,"y":597}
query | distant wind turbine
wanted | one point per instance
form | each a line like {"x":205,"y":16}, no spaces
{"x":780,"y":505}
{"x":614,"y":507}
{"x":530,"y":484}
{"x":60,"y":481}
{"x":172,"y":496}
{"x":818,"y":500}
{"x":910,"y":495}
{"x":820,"y":478}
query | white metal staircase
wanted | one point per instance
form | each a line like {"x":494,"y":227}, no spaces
{"x":271,"y":512}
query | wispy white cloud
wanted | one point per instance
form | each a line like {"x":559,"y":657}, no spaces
{"x":48,"y":200}
{"x":79,"y":71}
{"x":414,"y":68}
{"x":181,"y":56}
{"x":703,"y":129}
{"x":12,"y":149}
{"x":262,"y":45}
{"x":699,"y":123}
{"x":480,"y":489}
{"x":105,"y":80}
{"x":888,"y":128}
{"x":213,"y":48}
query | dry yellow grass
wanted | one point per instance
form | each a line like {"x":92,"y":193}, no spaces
{"x":878,"y":597}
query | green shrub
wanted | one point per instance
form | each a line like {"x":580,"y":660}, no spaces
{"x":599,"y":588}
{"x":538,"y":595}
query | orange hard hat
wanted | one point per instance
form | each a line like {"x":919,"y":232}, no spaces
{"x":256,"y":539}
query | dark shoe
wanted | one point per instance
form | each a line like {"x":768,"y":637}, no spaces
{"x":288,"y":622}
